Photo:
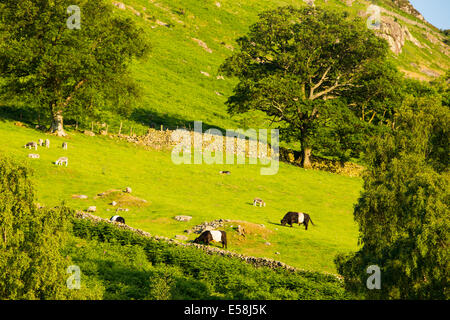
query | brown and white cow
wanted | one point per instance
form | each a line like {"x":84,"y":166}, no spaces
{"x":296,"y":217}
{"x":212,"y":235}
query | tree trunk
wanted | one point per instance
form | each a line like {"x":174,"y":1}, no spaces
{"x":306,"y":161}
{"x":305,"y":150}
{"x":57,"y":124}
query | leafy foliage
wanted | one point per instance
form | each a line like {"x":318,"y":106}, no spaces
{"x":170,"y":272}
{"x":296,"y":64}
{"x":31,"y":266}
{"x":58,"y":68}
{"x":403,"y":211}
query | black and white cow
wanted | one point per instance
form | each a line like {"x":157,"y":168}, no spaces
{"x":214,"y":235}
{"x":117,"y":219}
{"x":296,"y":217}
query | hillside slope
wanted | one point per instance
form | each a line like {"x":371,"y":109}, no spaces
{"x":101,"y":167}
{"x":192,"y":38}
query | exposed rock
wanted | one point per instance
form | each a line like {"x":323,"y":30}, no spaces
{"x":241,"y":230}
{"x":161,"y":23}
{"x":113,"y":203}
{"x":203,"y":45}
{"x":119,"y":5}
{"x":204,"y":73}
{"x":406,"y":6}
{"x":430,"y":72}
{"x":89,"y":133}
{"x":183,"y":218}
{"x":267,"y":243}
{"x":92,"y":209}
{"x":127,"y":190}
{"x":79,"y":196}
{"x":181,"y":237}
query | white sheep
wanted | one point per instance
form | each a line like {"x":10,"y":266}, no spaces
{"x":62,"y":160}
{"x":30,"y":145}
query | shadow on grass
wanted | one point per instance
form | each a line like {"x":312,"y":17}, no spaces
{"x":154,"y":120}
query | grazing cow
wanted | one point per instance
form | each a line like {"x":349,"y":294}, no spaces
{"x":64,"y":145}
{"x":40,"y":142}
{"x":118,"y":219}
{"x":30,"y":145}
{"x":47,"y":143}
{"x":259,"y":201}
{"x":225,"y":172}
{"x":62,"y":160}
{"x":212,"y":235}
{"x":296,"y":217}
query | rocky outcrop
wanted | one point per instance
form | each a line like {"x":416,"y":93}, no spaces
{"x":407,"y":7}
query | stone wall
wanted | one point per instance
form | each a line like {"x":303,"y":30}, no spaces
{"x":163,"y":139}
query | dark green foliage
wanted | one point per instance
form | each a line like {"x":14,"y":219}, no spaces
{"x":403,"y":211}
{"x":31,"y":266}
{"x":172,"y":272}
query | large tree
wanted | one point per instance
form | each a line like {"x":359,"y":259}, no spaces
{"x":50,"y":61}
{"x":296,"y":64}
{"x":403,"y":211}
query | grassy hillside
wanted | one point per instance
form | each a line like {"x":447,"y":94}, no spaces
{"x":192,"y":38}
{"x":98,"y":164}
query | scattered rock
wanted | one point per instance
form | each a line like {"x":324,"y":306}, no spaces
{"x":181,"y":237}
{"x":183,"y":218}
{"x":205,"y":73}
{"x":119,"y":5}
{"x":162,"y":23}
{"x":79,"y":196}
{"x":34,"y":156}
{"x":241,"y":230}
{"x":92,"y":209}
{"x":277,"y":252}
{"x":203,"y":45}
{"x":89,"y":133}
{"x":267,"y":243}
{"x":113,"y":203}
{"x":127,"y":190}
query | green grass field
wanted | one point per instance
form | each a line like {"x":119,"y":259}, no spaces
{"x":98,"y":164}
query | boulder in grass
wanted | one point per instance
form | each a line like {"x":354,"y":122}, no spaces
{"x":183,"y":218}
{"x":92,"y":209}
{"x":127,"y":190}
{"x":79,"y":196}
{"x":181,"y":237}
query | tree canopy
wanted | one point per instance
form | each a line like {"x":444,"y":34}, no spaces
{"x":302,"y":68}
{"x":59,"y":68}
{"x":31,"y":239}
{"x":403,"y":211}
